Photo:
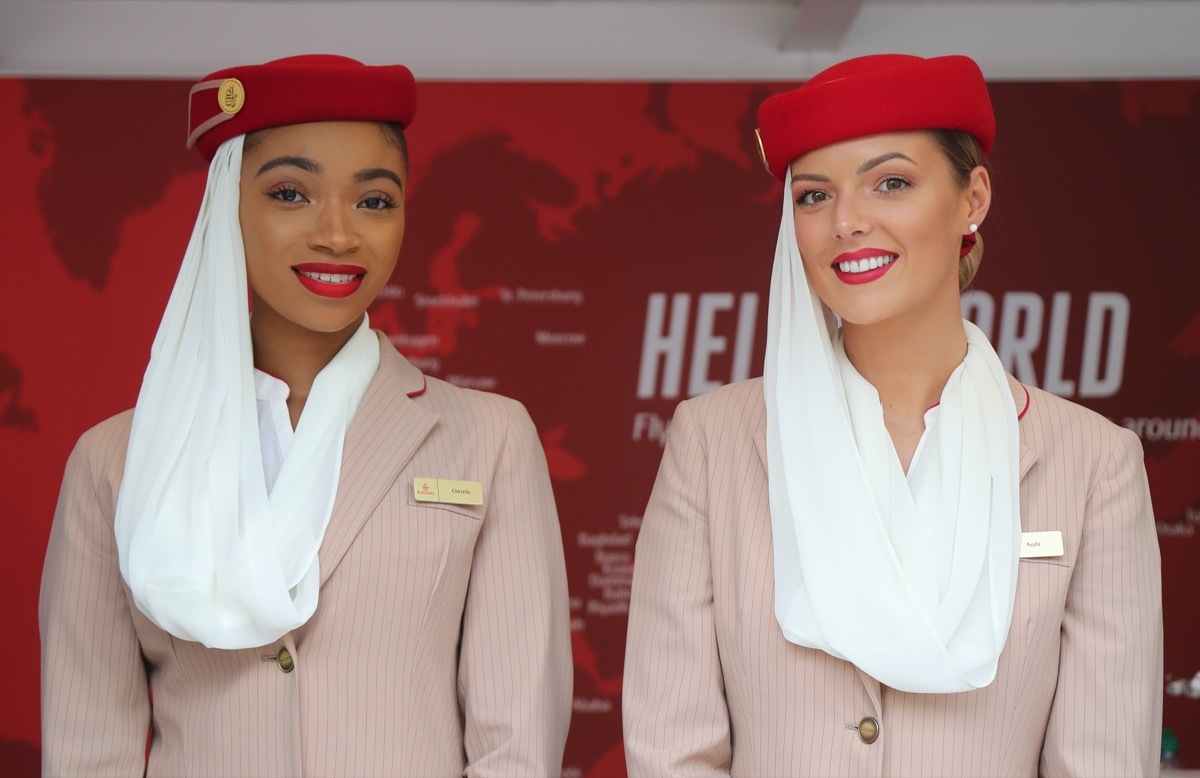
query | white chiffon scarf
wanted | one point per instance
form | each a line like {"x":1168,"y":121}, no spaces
{"x":209,"y":554}
{"x":913,"y":580}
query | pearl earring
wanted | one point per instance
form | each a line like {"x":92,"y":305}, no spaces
{"x":973,"y":228}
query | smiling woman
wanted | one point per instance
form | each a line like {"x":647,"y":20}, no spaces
{"x":886,"y":205}
{"x":248,"y":544}
{"x":888,"y":557}
{"x":322,"y":214}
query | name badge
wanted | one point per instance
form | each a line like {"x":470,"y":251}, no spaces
{"x":1041,"y":544}
{"x":446,"y":491}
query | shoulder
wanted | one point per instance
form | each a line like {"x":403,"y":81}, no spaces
{"x":1066,"y":431}
{"x":725,"y":422}
{"x":457,"y":404}
{"x":107,"y":440}
{"x":485,"y":421}
{"x":738,"y":405}
{"x":457,"y":408}
{"x":112,"y":431}
{"x":98,"y":458}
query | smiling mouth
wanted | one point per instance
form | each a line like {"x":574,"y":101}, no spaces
{"x":326,"y":279}
{"x":330,"y":278}
{"x":856,"y":266}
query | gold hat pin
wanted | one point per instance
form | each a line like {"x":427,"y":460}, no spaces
{"x":762,"y":153}
{"x":231,"y":96}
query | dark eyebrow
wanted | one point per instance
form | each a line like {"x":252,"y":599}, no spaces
{"x":870,"y":163}
{"x":304,"y":163}
{"x":863,"y":168}
{"x":378,"y":172}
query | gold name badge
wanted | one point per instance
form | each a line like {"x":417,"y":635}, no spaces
{"x":447,"y":491}
{"x":1040,"y":544}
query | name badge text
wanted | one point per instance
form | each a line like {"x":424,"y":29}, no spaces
{"x":1041,"y":544}
{"x":445,"y":490}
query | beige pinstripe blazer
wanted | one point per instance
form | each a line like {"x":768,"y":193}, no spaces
{"x":430,"y":617}
{"x":712,"y":687}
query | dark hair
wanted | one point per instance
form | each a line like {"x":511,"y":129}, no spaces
{"x":395,"y":133}
{"x":964,"y":155}
{"x":392,"y":131}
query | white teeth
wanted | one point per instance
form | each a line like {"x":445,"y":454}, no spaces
{"x":863,"y":265}
{"x":330,"y":278}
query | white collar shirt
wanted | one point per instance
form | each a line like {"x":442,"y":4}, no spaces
{"x":275,"y":431}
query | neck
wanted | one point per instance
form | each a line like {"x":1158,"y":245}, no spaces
{"x":908,"y":362}
{"x":292,"y":353}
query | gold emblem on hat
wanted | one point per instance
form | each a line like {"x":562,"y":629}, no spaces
{"x":762,"y":153}
{"x":231,"y":96}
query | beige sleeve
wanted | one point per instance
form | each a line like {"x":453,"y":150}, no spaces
{"x":676,"y":720}
{"x":1106,"y":717}
{"x":515,"y":671}
{"x":95,"y":699}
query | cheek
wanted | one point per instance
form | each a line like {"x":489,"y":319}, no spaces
{"x":256,"y":254}
{"x":809,"y":246}
{"x":251,"y":222}
{"x":266,"y":255}
{"x":398,"y":234}
{"x":390,"y":240}
{"x":812,"y":232}
{"x":270,"y":238}
{"x":933,"y":226}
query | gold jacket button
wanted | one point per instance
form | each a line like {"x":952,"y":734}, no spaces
{"x":287,"y":665}
{"x":868,"y":728}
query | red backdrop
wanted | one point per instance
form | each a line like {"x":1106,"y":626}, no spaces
{"x":600,"y":251}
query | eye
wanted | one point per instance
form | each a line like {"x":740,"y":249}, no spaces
{"x":286,"y":194}
{"x":378,"y":203}
{"x":813,"y":197}
{"x":893,"y":184}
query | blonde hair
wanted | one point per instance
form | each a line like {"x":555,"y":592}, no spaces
{"x":964,"y":154}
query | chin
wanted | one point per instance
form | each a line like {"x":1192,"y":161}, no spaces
{"x":860,"y":313}
{"x":333,"y":327}
{"x":862,"y":321}
{"x":326,"y":322}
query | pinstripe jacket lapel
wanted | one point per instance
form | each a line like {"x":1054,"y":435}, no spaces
{"x":387,"y":430}
{"x":1027,"y":454}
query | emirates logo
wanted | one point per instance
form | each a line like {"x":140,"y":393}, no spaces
{"x":231,"y":96}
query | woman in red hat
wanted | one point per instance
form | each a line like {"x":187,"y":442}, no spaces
{"x":886,"y":556}
{"x":297,"y":555}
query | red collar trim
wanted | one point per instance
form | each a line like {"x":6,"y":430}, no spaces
{"x":1021,"y":415}
{"x":421,"y":391}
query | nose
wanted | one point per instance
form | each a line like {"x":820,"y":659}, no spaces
{"x":850,"y":219}
{"x":334,"y":230}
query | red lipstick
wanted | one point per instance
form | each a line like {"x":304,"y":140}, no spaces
{"x":328,"y":279}
{"x":857,"y":258}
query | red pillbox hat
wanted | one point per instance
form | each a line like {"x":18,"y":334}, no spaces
{"x":294,"y":90}
{"x":874,"y":94}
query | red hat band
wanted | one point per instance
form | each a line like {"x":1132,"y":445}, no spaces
{"x":294,"y":90}
{"x":874,"y":94}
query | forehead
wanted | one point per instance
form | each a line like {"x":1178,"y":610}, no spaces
{"x":918,"y":145}
{"x":327,"y":142}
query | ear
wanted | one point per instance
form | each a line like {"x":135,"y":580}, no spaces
{"x":978,"y":195}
